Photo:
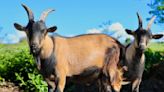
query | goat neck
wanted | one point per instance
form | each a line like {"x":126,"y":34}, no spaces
{"x":133,"y":53}
{"x":130,"y":51}
{"x":47,"y":47}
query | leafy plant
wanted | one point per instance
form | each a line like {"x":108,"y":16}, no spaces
{"x":157,"y":9}
{"x":18,"y":66}
{"x":34,"y":84}
{"x":152,"y":58}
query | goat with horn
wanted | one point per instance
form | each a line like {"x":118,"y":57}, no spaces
{"x":59,"y":57}
{"x":134,"y":57}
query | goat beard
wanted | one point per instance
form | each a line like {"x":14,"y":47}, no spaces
{"x":36,"y":58}
{"x":36,"y":54}
{"x":38,"y":63}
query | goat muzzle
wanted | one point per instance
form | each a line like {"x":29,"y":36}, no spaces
{"x":35,"y":50}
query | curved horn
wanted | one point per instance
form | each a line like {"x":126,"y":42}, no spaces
{"x":150,"y":23}
{"x":29,"y":12}
{"x":125,"y":82}
{"x":139,"y":21}
{"x":45,"y":13}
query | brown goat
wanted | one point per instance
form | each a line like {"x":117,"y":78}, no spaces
{"x":60,"y":57}
{"x":135,"y":58}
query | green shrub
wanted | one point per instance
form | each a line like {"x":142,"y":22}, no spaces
{"x":153,"y":58}
{"x":34,"y":83}
{"x":18,"y":66}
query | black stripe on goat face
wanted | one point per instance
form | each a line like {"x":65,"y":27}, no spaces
{"x":36,"y":33}
{"x":142,"y":38}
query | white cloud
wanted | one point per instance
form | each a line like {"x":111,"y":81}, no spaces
{"x":118,"y":31}
{"x":94,"y":30}
{"x":116,"y":27}
{"x":70,"y":35}
{"x":115,"y":30}
{"x":161,"y":32}
{"x":11,"y":39}
{"x":21,"y":34}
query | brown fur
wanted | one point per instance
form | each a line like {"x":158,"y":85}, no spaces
{"x":112,"y":69}
{"x":76,"y":54}
{"x":47,"y":47}
{"x":134,"y":57}
{"x":61,"y":57}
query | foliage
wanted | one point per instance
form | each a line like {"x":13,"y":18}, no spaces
{"x":17,"y":65}
{"x":34,"y":84}
{"x":157,"y":7}
{"x":153,"y":58}
{"x":157,"y":46}
{"x":127,"y":41}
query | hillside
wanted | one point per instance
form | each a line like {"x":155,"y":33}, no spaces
{"x":13,"y":47}
{"x":156,"y":46}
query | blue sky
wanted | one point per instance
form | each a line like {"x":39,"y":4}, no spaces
{"x":73,"y":17}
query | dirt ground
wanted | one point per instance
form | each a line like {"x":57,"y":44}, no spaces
{"x":9,"y":87}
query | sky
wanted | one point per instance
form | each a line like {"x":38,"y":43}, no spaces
{"x":74,"y":17}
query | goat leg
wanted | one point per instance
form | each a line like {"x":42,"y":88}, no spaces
{"x":51,"y":85}
{"x":61,"y":80}
{"x":135,"y":85}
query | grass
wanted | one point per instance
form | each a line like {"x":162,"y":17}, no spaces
{"x":23,"y":44}
{"x":156,"y":46}
{"x":13,"y":47}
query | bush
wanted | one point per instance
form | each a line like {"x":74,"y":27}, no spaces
{"x":153,"y":58}
{"x":18,"y":66}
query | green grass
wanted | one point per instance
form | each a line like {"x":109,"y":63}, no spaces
{"x":23,"y":44}
{"x":156,"y":46}
{"x":13,"y":47}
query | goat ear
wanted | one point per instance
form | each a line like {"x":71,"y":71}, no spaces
{"x":157,"y":36}
{"x":19,"y":27}
{"x":52,"y":29}
{"x":129,"y":31}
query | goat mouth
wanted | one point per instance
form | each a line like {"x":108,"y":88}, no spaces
{"x":35,"y":51}
{"x":141,"y":49}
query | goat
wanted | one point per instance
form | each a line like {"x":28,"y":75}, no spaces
{"x":134,"y":57}
{"x":59,"y":57}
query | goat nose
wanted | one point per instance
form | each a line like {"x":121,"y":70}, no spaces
{"x":142,"y":47}
{"x":33,"y":45}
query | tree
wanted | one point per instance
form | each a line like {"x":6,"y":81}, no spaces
{"x":127,"y":41}
{"x":157,"y":9}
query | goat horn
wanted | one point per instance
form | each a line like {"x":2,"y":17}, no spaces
{"x":139,"y":20}
{"x":45,"y":13}
{"x":150,"y":23}
{"x":125,"y":82}
{"x":29,"y":12}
